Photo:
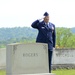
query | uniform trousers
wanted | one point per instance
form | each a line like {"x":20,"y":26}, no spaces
{"x":50,"y":59}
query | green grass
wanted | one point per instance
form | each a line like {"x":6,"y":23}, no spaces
{"x":64,"y":72}
{"x":2,"y":72}
{"x":57,"y":72}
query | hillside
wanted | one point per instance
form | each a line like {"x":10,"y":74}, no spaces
{"x":19,"y":34}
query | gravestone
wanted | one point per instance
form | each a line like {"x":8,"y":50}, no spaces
{"x":27,"y":59}
{"x":2,"y":58}
{"x":67,"y":56}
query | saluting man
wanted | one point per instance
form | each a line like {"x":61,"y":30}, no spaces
{"x":46,"y":34}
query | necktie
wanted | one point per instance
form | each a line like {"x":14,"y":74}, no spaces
{"x":46,"y":25}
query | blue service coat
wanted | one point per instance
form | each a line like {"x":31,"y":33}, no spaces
{"x":45,"y":34}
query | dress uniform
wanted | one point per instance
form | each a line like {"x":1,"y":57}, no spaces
{"x":46,"y":34}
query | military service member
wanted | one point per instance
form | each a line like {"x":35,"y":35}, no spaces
{"x":46,"y":34}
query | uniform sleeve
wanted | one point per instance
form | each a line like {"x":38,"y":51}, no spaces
{"x":54,"y":36}
{"x":35,"y":24}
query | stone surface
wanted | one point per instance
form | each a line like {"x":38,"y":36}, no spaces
{"x":56,"y":63}
{"x":2,"y":58}
{"x":63,"y":57}
{"x":27,"y":58}
{"x":37,"y":74}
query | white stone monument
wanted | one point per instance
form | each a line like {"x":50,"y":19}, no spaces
{"x":27,"y":59}
{"x":67,"y":56}
{"x":2,"y":58}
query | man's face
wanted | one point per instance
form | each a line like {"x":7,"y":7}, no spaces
{"x":46,"y":19}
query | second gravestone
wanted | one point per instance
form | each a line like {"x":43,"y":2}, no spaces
{"x":27,"y":59}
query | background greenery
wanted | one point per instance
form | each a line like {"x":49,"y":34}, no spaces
{"x":65,"y":37}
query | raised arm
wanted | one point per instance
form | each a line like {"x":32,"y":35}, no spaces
{"x":35,"y":24}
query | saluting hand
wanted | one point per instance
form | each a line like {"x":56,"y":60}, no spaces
{"x":41,"y":18}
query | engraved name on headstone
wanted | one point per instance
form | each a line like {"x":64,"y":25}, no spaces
{"x":64,"y":57}
{"x":27,"y":59}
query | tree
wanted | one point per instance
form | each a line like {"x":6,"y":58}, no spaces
{"x":71,"y":41}
{"x":63,"y":35}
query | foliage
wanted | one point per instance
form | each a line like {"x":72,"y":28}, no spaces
{"x":16,"y":34}
{"x":65,"y":37}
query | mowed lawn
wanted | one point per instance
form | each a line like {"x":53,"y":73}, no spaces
{"x":64,"y":72}
{"x":57,"y":72}
{"x":2,"y":72}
